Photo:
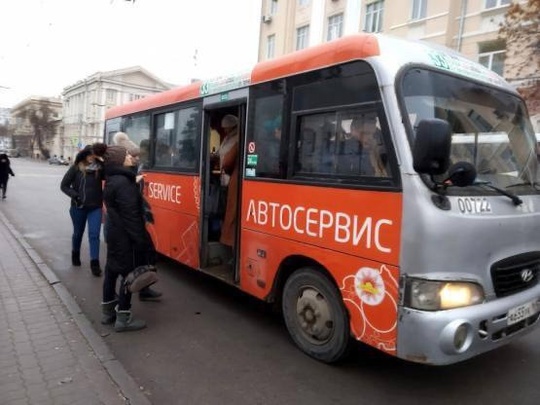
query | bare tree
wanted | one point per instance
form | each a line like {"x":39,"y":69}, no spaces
{"x":4,"y":130}
{"x":521,"y":31}
{"x":43,"y":122}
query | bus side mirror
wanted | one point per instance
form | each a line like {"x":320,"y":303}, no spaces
{"x":431,"y":151}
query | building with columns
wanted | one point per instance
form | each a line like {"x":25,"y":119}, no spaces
{"x":85,"y":102}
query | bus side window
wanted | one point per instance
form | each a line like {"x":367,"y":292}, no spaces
{"x":138,"y":129}
{"x":344,"y":144}
{"x":329,"y":135}
{"x":163,"y":153}
{"x":362,"y":152}
{"x":187,"y":138}
{"x":267,"y":133}
{"x":306,"y":148}
{"x":177,"y":139}
{"x":317,"y":144}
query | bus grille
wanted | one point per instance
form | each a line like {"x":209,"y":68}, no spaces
{"x":516,"y":273}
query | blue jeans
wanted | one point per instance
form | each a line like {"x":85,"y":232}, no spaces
{"x":79,"y":217}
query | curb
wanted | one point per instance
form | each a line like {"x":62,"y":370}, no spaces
{"x":118,"y":374}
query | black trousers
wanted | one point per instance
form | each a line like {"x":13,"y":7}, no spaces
{"x":3,"y":186}
{"x":109,"y":290}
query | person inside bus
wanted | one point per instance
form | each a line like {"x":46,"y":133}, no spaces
{"x":164,"y":154}
{"x":186,"y":157}
{"x":330,"y":137}
{"x":362,"y":153}
{"x":144,"y":155}
{"x":270,"y":146}
{"x":228,"y":156}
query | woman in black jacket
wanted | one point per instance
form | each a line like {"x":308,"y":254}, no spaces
{"x":126,"y":236}
{"x":5,"y":172}
{"x":83,"y":184}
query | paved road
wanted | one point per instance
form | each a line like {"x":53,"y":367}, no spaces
{"x":208,"y":343}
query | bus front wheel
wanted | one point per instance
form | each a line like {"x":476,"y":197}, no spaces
{"x":315,"y":315}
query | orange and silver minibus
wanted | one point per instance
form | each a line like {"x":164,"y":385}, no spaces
{"x":386,"y":191}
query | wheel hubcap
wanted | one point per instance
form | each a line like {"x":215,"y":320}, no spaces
{"x":314,"y":316}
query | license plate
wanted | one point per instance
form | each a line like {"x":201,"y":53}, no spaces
{"x":522,"y":312}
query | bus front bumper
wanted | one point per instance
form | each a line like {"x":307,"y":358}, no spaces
{"x":450,"y":336}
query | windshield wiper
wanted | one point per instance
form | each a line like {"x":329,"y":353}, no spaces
{"x":533,"y":185}
{"x":515,"y":199}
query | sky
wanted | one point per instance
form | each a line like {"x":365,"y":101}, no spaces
{"x":46,"y":45}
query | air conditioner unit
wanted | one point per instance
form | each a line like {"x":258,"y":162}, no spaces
{"x":266,"y":19}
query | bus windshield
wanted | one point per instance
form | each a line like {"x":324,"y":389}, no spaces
{"x":490,"y":127}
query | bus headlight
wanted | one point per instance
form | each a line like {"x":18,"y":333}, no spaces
{"x":430,"y":295}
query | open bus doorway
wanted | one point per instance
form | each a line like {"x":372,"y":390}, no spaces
{"x":221,"y":190}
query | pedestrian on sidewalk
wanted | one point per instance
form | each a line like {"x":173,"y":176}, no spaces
{"x":126,"y":237}
{"x":5,"y":172}
{"x":122,"y":139}
{"x":83,"y":184}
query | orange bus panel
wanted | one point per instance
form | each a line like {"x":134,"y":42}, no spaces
{"x":355,"y":236}
{"x":175,"y":205}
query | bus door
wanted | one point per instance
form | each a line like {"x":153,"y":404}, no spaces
{"x":221,"y":185}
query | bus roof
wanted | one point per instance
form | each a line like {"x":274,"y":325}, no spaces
{"x":393,"y":52}
{"x":398,"y":52}
{"x":330,"y":53}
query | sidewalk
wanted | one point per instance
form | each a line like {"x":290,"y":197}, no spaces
{"x":49,"y":351}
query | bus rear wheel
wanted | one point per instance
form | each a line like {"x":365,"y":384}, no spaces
{"x":315,"y":315}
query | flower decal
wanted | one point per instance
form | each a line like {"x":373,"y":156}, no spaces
{"x":369,"y":286}
{"x":371,"y":296}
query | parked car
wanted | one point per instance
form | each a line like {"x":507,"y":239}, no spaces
{"x":55,"y":160}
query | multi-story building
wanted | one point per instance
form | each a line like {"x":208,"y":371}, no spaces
{"x":85,"y":102}
{"x":36,"y":126}
{"x":468,"y":26}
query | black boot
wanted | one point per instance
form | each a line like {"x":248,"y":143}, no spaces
{"x":108,"y":312}
{"x":75,"y":258}
{"x":148,"y":294}
{"x":94,"y":267}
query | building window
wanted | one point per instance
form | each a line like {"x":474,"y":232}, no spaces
{"x":493,"y":60}
{"x":270,"y":46}
{"x":133,"y":97}
{"x":374,"y":16}
{"x":302,"y":37}
{"x":497,"y":3}
{"x":110,"y":96}
{"x":303,"y":3}
{"x":335,"y":27}
{"x":273,"y":7}
{"x":491,"y":54}
{"x":418,"y":9}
